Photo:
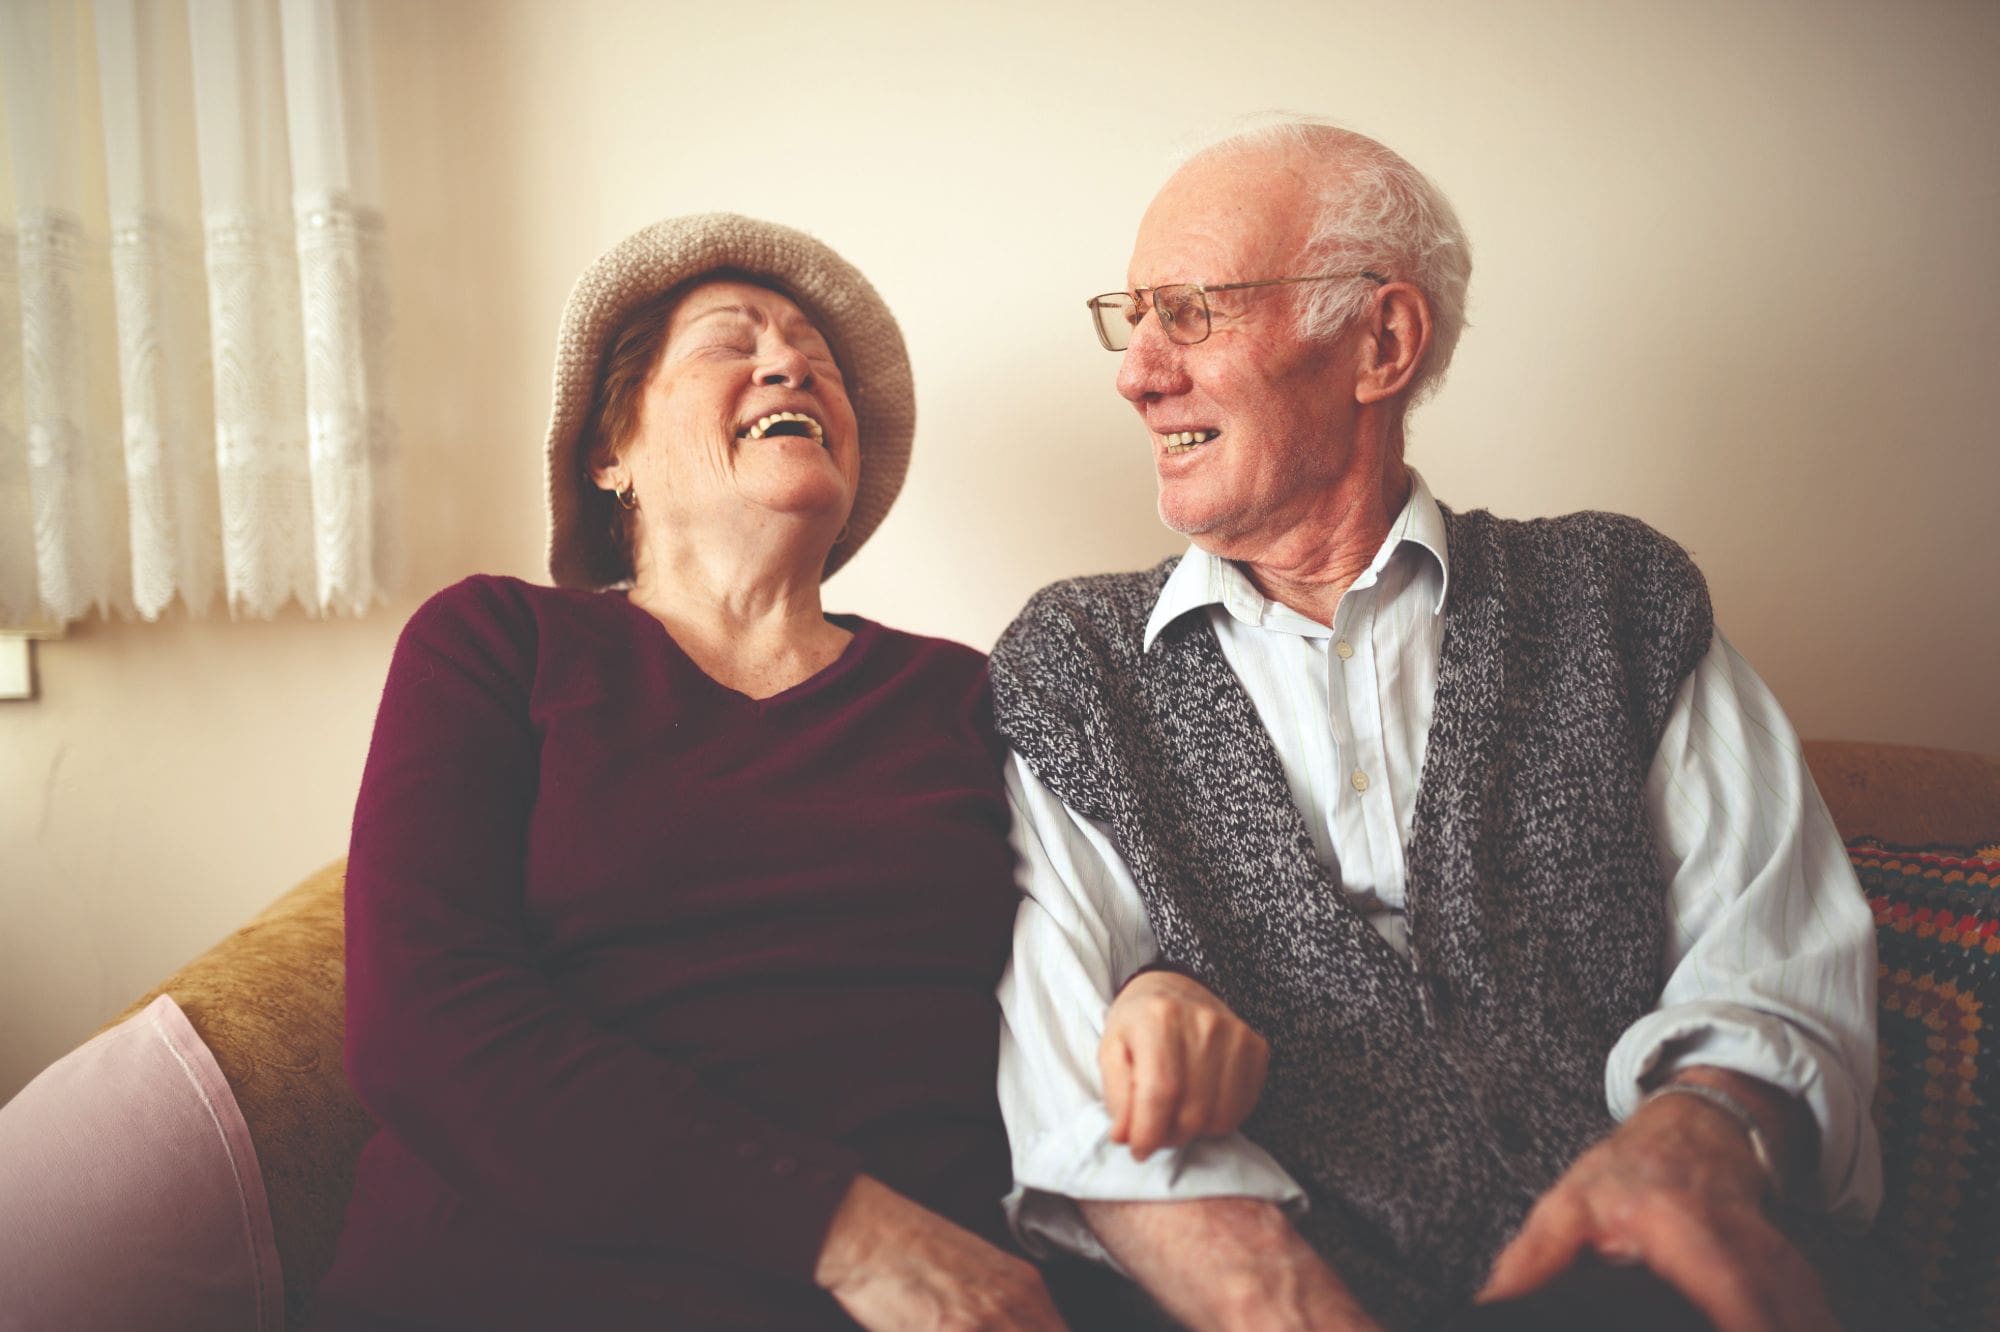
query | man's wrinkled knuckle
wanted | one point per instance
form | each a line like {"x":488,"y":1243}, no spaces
{"x":1679,"y":1213}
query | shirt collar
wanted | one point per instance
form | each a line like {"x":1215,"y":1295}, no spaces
{"x":1202,"y":579}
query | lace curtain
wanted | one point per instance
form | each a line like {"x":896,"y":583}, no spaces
{"x":192,"y":310}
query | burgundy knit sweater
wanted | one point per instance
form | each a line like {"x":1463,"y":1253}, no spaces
{"x":641,"y":971}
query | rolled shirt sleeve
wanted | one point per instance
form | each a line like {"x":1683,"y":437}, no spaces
{"x":1771,"y":945}
{"x":1080,"y":931}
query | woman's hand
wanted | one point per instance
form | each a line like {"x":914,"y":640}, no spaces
{"x":894,"y":1265}
{"x":1177,"y":1064}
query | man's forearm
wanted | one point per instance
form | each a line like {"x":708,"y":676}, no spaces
{"x":1788,"y":1126}
{"x":1226,"y":1265}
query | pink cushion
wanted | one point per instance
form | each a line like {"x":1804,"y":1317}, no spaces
{"x":129,"y":1191}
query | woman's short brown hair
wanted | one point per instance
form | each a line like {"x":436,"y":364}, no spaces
{"x":614,"y":417}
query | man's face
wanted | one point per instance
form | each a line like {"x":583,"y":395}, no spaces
{"x":1280,"y":410}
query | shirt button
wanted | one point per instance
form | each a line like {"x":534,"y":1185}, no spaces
{"x":1360,"y":780}
{"x":1343,"y":649}
{"x":783,"y":1167}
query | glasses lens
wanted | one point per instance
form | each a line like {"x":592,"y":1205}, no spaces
{"x":1115,"y":313}
{"x":1183,"y":312}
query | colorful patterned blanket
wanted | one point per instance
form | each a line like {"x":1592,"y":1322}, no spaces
{"x":1937,"y":918}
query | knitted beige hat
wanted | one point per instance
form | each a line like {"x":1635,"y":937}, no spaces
{"x":842,"y":305}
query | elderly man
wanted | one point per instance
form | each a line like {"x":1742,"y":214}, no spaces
{"x":1509,"y":855}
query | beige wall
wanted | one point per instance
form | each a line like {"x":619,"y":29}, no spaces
{"x":1735,"y":274}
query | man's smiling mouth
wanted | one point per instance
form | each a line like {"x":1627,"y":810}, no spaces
{"x":1187,"y":441}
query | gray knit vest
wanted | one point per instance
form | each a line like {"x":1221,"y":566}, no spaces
{"x":1423,"y":1103}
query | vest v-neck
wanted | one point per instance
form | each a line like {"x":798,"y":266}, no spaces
{"x":1204,"y":673}
{"x":863,"y":634}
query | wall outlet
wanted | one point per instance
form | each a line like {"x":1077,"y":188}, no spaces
{"x":17,"y":667}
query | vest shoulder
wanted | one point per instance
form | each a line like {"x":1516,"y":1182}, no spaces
{"x":1101,"y":614}
{"x":1616,"y":534}
{"x":1620,"y":545}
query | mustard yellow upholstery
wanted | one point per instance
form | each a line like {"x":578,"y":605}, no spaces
{"x":1908,"y":795}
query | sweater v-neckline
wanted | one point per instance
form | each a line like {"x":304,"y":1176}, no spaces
{"x":862,"y":633}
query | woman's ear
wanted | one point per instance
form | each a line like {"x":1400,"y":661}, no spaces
{"x":607,"y":471}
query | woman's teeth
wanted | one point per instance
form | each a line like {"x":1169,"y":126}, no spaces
{"x":769,"y":425}
{"x":1184,"y":440}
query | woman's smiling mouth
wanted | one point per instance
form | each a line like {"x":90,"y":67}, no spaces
{"x":784,"y":423}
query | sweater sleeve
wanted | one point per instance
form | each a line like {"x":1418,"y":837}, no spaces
{"x":456,"y":1041}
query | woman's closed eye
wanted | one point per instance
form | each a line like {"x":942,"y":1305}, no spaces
{"x":713,"y":338}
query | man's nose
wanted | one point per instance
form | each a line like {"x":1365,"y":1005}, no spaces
{"x":780,"y":363}
{"x":1153,"y":364}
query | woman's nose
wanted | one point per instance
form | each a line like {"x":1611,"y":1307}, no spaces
{"x":780,"y":363}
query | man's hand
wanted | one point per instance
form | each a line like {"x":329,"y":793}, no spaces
{"x":1226,"y":1265}
{"x":1677,"y":1188}
{"x":897,"y":1266}
{"x":1177,"y":1064}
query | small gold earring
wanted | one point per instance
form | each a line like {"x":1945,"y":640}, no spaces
{"x":628,"y":498}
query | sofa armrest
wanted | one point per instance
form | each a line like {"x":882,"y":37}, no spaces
{"x":268,"y":1002}
{"x":1906,"y":794}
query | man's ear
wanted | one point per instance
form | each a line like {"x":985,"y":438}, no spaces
{"x":1399,"y":333}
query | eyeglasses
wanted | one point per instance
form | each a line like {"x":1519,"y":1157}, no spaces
{"x":1182,"y":307}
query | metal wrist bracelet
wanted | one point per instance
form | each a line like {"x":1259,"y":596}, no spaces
{"x":1760,"y":1146}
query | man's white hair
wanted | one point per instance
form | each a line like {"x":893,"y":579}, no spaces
{"x":1376,"y":213}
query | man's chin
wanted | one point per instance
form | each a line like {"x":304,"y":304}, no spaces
{"x":1189,"y":520}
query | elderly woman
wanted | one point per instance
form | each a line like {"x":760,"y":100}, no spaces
{"x":675,"y":912}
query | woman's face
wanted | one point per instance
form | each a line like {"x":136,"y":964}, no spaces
{"x":745,"y":423}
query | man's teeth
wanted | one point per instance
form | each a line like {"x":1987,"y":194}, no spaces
{"x":763,"y":426}
{"x":1183,"y":440}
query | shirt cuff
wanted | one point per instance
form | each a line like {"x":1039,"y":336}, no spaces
{"x":1757,"y":1045}
{"x":1079,"y":1162}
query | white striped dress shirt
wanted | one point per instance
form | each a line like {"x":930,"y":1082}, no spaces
{"x":1770,"y":945}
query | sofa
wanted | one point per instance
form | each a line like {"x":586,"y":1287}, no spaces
{"x":267,"y":1002}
